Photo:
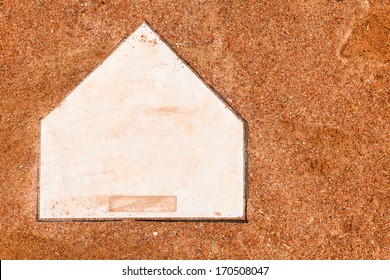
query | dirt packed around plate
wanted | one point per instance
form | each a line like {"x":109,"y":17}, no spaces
{"x":311,"y":78}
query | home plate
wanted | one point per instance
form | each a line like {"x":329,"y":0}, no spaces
{"x":143,"y":137}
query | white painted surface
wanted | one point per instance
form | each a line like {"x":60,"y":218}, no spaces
{"x":142,"y":124}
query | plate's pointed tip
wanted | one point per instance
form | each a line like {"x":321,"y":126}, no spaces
{"x":146,"y":29}
{"x":145,"y":24}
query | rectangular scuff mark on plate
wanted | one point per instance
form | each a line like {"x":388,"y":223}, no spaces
{"x":142,"y":203}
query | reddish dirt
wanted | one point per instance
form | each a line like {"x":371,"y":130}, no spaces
{"x":316,"y":102}
{"x":371,"y":38}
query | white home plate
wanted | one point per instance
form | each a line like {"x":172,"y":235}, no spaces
{"x":142,"y":137}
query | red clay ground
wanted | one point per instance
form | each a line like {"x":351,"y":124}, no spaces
{"x":310,"y":77}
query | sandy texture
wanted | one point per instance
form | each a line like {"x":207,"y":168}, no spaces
{"x":309,"y":77}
